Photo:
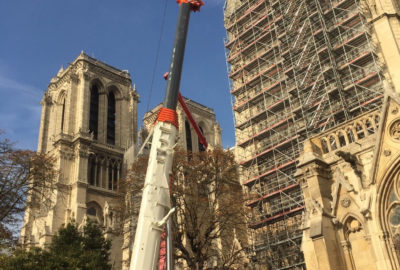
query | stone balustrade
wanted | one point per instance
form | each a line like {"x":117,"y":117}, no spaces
{"x":349,"y":132}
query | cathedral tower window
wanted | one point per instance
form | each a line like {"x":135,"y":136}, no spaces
{"x":110,"y":177}
{"x":91,"y":211}
{"x":113,"y":175}
{"x":188,"y":137}
{"x":63,"y":116}
{"x":94,"y":111}
{"x":94,"y":212}
{"x":111,"y":119}
{"x":92,"y":172}
{"x":201,"y":146}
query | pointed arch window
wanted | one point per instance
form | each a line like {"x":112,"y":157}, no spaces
{"x":62,"y":116}
{"x":350,"y":135}
{"x":201,"y":146}
{"x":342,"y":139}
{"x":369,"y":126}
{"x":111,"y":119}
{"x":332,"y":143}
{"x":392,"y":213}
{"x":113,"y":175}
{"x":110,"y":176}
{"x":360,"y":131}
{"x":188,"y":137}
{"x":94,"y":111}
{"x":92,"y":170}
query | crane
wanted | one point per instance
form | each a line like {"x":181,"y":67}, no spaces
{"x":155,"y":208}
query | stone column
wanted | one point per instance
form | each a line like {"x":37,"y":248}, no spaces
{"x":347,"y":255}
{"x":320,"y":247}
{"x":83,"y":102}
{"x":43,"y":131}
{"x":78,"y":192}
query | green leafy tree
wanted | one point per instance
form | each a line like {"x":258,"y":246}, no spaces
{"x":70,"y":249}
{"x":33,"y":259}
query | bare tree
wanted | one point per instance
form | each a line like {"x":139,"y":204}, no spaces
{"x":209,"y":222}
{"x":27,"y":180}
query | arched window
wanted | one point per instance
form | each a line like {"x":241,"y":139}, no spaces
{"x":356,"y":239}
{"x":369,"y":126}
{"x":62,"y":116}
{"x":94,"y":111}
{"x":332,"y":142}
{"x":188,"y":137}
{"x":394,"y":222}
{"x":92,"y":170}
{"x":111,"y":119}
{"x":94,"y":212}
{"x":389,"y":198}
{"x":110,"y":176}
{"x":350,"y":135}
{"x":360,"y":131}
{"x":201,"y":146}
{"x":376,"y":119}
{"x":113,"y":175}
{"x":342,"y":139}
{"x":91,"y":211}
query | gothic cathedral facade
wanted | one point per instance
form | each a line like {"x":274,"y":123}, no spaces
{"x":88,"y":123}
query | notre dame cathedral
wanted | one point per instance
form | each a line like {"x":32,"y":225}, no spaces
{"x":89,"y":123}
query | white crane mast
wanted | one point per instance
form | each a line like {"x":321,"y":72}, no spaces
{"x":155,"y":207}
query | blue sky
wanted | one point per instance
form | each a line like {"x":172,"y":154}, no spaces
{"x":38,"y":36}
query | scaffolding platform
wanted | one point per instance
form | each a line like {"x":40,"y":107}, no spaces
{"x":296,"y":69}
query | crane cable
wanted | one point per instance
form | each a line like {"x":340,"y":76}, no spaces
{"x":157,"y":53}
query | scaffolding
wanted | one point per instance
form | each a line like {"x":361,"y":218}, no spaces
{"x":296,"y":68}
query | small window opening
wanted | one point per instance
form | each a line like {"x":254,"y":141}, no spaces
{"x":111,"y":119}
{"x":188,"y":137}
{"x":350,"y":136}
{"x":94,"y":111}
{"x":342,"y":139}
{"x":369,"y":126}
{"x":332,"y":142}
{"x":63,"y":116}
{"x":201,"y":146}
{"x":91,"y":211}
{"x":359,"y":131}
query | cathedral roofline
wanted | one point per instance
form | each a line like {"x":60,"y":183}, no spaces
{"x":92,"y":64}
{"x":188,"y":101}
{"x":92,"y":60}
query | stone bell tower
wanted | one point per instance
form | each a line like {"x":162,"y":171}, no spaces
{"x":88,"y":122}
